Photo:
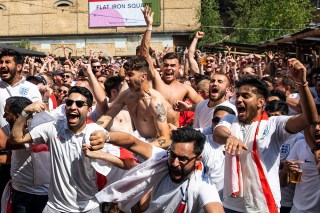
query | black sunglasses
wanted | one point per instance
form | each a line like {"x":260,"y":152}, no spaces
{"x":216,"y":120}
{"x":182,"y":159}
{"x":66,"y":76}
{"x":94,"y":67}
{"x":79,"y":103}
{"x":64,"y":91}
{"x":210,"y":61}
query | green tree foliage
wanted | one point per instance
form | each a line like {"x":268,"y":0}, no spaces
{"x":25,"y":43}
{"x":291,"y":15}
{"x":209,"y":18}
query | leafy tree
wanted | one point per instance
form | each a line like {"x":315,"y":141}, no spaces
{"x":209,"y":17}
{"x":285,"y":16}
{"x":25,"y":43}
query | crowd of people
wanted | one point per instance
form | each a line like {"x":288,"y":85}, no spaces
{"x":170,"y":132}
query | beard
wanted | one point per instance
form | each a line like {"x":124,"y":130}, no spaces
{"x":184,"y":173}
{"x":221,"y":95}
{"x":13,"y":73}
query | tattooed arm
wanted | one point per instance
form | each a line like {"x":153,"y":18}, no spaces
{"x":159,"y":111}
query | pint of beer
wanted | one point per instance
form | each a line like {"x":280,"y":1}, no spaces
{"x":295,"y":176}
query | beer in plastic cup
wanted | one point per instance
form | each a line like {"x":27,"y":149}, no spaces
{"x":295,"y":176}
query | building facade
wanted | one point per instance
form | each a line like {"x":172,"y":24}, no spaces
{"x":48,"y":23}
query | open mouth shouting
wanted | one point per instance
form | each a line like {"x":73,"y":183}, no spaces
{"x":73,"y":118}
{"x":241,"y":111}
{"x":317,"y":137}
{"x":4,"y":72}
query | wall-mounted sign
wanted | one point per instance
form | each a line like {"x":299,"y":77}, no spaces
{"x":121,"y":13}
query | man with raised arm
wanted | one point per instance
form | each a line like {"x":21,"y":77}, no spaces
{"x":73,"y":176}
{"x":256,"y":140}
{"x":168,"y":82}
{"x":147,"y":107}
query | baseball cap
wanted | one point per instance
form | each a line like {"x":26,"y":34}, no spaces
{"x":58,"y":72}
{"x":37,"y":78}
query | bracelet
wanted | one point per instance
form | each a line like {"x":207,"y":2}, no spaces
{"x":149,"y":28}
{"x":24,"y":114}
{"x":302,"y":84}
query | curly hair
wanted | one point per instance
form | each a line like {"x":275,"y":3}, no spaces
{"x":136,"y":63}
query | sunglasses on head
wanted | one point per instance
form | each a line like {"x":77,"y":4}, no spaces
{"x":66,"y":76}
{"x":79,"y":103}
{"x":210,"y":61}
{"x":63,"y":91}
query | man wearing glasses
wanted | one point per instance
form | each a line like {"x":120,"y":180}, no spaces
{"x":96,"y":67}
{"x":73,"y":178}
{"x":173,"y":176}
{"x":68,"y":78}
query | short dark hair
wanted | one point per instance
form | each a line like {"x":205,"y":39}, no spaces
{"x":171,"y":55}
{"x":83,"y":91}
{"x":17,"y":57}
{"x":224,"y":108}
{"x":261,"y":87}
{"x":17,"y":104}
{"x":113,"y":82}
{"x":268,"y":79}
{"x":187,"y":135}
{"x":281,"y":95}
{"x":276,"y":105}
{"x":137,"y":63}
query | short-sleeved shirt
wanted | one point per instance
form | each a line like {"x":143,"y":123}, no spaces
{"x":203,"y":114}
{"x":22,"y":88}
{"x":213,"y":161}
{"x":307,"y":194}
{"x":73,"y":181}
{"x":288,"y":191}
{"x":269,"y":142}
{"x":166,"y":191}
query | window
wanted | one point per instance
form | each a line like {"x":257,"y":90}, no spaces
{"x":63,"y":3}
{"x":3,"y":7}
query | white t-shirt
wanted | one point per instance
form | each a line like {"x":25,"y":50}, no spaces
{"x":268,"y":145}
{"x":213,"y":161}
{"x":292,"y":111}
{"x":73,"y":181}
{"x":288,"y":191}
{"x":166,"y":194}
{"x":307,"y":194}
{"x":203,"y":114}
{"x":22,"y":88}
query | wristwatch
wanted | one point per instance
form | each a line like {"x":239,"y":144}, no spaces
{"x":24,"y":114}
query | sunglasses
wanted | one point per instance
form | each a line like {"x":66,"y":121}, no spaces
{"x":216,"y":120}
{"x":66,"y":76}
{"x":209,"y":61}
{"x":94,"y":67}
{"x":63,"y":91}
{"x":182,"y":159}
{"x":79,"y":103}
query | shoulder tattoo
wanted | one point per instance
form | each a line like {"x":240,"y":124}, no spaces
{"x":161,"y":112}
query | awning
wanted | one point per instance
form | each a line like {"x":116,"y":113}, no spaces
{"x":23,"y":51}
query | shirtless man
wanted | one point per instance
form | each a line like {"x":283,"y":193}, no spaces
{"x":122,"y":121}
{"x":147,"y":107}
{"x":168,"y":82}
